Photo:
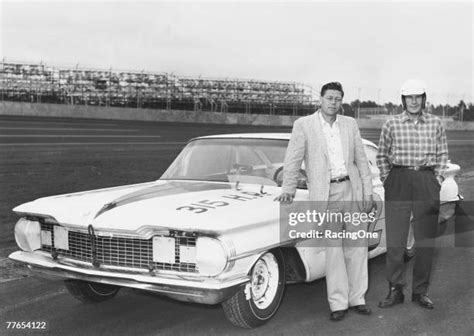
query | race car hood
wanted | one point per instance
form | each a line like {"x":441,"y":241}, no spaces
{"x":179,"y":205}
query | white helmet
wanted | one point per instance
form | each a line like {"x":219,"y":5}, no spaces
{"x":413,"y":87}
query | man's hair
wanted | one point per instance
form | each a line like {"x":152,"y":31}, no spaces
{"x":332,"y":86}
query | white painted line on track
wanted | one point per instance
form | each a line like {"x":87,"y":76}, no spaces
{"x":76,"y":136}
{"x":69,"y":129}
{"x":55,"y":122}
{"x":114,"y":143}
{"x":89,"y":143}
{"x":44,"y":297}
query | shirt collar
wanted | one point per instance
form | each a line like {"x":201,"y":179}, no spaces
{"x":421,"y":116}
{"x":324,"y":122}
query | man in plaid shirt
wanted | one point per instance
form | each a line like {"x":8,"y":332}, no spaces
{"x":412,"y":158}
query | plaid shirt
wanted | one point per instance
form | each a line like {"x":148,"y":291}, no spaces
{"x":413,"y":143}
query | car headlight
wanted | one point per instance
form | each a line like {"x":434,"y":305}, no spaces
{"x":28,"y":234}
{"x":211,"y":256}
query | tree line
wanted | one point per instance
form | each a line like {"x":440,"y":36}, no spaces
{"x":461,"y":110}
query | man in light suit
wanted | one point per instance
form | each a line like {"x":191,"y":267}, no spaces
{"x":338,"y":179}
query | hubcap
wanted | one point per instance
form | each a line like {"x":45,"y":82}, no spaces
{"x":264,"y":282}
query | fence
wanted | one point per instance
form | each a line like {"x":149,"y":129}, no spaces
{"x":446,"y":113}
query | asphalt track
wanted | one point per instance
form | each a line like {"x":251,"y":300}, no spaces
{"x":41,"y":157}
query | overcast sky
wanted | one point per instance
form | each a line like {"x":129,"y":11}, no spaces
{"x":370,"y":47}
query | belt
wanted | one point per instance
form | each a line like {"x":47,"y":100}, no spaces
{"x":340,"y":179}
{"x":414,"y":167}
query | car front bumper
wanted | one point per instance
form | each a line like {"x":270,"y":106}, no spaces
{"x":190,"y":289}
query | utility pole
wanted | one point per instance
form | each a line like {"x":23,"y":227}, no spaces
{"x":4,"y":81}
{"x":358,"y":103}
{"x":447,"y":104}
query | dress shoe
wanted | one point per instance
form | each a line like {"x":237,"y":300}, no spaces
{"x":423,"y":300}
{"x":362,"y":309}
{"x":337,"y":315}
{"x":395,"y":296}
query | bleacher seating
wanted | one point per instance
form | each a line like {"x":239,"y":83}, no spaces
{"x":40,"y":83}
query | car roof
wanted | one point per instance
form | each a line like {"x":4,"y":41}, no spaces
{"x":271,"y":136}
{"x":275,"y":136}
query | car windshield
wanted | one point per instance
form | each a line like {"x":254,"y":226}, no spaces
{"x":229,"y":160}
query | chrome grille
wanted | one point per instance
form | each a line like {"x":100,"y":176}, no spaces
{"x":119,"y":251}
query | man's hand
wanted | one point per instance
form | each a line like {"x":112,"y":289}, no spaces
{"x":367,"y":203}
{"x":440,"y":179}
{"x":285,"y":198}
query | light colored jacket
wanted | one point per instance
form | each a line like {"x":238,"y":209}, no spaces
{"x":308,"y":144}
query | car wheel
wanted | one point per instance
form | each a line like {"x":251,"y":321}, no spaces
{"x":257,"y":302}
{"x":89,"y":292}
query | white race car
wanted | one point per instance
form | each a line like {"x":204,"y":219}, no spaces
{"x":207,"y":231}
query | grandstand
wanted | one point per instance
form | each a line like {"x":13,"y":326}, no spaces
{"x":40,"y":83}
